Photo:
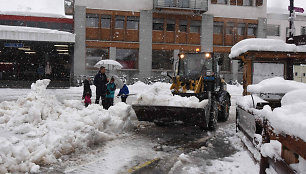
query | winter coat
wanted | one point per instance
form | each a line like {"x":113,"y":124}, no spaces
{"x":87,"y":90}
{"x":124,"y":90}
{"x":100,"y":82}
{"x":111,"y":87}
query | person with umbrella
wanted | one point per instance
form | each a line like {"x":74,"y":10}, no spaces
{"x":111,"y":87}
{"x":100,"y":81}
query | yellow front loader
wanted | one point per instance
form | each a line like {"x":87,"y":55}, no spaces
{"x":197,"y":74}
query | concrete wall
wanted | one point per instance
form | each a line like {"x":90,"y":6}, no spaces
{"x":80,"y":47}
{"x":244,"y":12}
{"x":145,"y":43}
{"x":207,"y":31}
{"x":124,"y":5}
{"x":262,"y":28}
{"x":282,"y":20}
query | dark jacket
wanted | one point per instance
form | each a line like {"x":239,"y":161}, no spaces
{"x":124,"y":90}
{"x":100,"y":82}
{"x":111,"y":87}
{"x":87,"y":90}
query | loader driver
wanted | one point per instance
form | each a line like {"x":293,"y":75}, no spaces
{"x":100,"y":82}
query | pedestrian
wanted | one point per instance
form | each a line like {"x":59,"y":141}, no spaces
{"x":40,"y":72}
{"x":111,"y":87}
{"x":100,"y":81}
{"x":124,"y":93}
{"x":48,"y":70}
{"x":87,"y":93}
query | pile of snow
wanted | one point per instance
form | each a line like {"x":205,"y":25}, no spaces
{"x":258,"y":44}
{"x":239,"y":163}
{"x":291,"y":117}
{"x":235,"y":90}
{"x":300,"y":167}
{"x":38,"y":129}
{"x":42,"y":8}
{"x":276,"y":85}
{"x":159,"y":94}
{"x":247,"y":102}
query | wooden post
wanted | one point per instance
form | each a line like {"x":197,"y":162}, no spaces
{"x":264,"y":161}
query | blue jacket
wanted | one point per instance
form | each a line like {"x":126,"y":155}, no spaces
{"x":111,"y":87}
{"x":124,"y":90}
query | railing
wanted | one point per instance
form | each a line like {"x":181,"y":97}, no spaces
{"x":201,"y":5}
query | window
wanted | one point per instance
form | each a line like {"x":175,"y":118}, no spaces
{"x":31,"y":24}
{"x":226,"y":66}
{"x":252,"y":29}
{"x":158,"y":24}
{"x":241,"y":29}
{"x":183,"y":26}
{"x":127,"y":57}
{"x":132,"y":23}
{"x":170,"y":25}
{"x":162,"y":59}
{"x":273,"y":30}
{"x":195,"y":27}
{"x":183,"y":3}
{"x":92,"y":20}
{"x":218,"y":27}
{"x":54,"y":25}
{"x":120,"y":22}
{"x":303,"y":30}
{"x":221,"y":1}
{"x":101,"y":53}
{"x":248,"y":2}
{"x":169,"y":3}
{"x":229,"y":28}
{"x":105,"y":21}
{"x":93,"y":56}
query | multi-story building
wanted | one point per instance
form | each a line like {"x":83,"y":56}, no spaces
{"x":146,"y":36}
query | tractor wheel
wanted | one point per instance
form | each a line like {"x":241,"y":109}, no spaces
{"x":213,"y":120}
{"x":224,"y":113}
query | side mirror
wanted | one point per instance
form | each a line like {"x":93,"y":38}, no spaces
{"x":220,"y":61}
{"x":164,"y":73}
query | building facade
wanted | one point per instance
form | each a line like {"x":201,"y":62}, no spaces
{"x":146,"y":36}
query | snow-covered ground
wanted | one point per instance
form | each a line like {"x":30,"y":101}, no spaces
{"x":43,"y":127}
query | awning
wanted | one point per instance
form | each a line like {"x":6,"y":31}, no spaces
{"x":35,"y":34}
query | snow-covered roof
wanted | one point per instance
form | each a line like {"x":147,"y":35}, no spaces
{"x":258,"y":44}
{"x":42,"y":8}
{"x":276,"y":85}
{"x":35,"y":34}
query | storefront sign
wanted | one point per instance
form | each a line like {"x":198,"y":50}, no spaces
{"x":14,"y":45}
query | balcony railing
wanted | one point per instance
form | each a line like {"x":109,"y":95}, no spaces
{"x":201,"y":5}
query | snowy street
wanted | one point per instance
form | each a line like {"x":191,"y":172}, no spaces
{"x":146,"y":148}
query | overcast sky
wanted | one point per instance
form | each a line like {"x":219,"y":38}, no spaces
{"x":283,"y":5}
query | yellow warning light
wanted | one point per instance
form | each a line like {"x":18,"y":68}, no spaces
{"x":198,"y":50}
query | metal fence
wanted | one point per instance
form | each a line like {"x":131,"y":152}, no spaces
{"x":183,"y":4}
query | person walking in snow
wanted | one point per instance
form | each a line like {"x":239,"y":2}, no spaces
{"x":111,"y":87}
{"x":124,"y":92}
{"x":100,"y":81}
{"x":87,"y":93}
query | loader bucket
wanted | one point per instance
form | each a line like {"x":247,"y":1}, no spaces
{"x":168,"y":114}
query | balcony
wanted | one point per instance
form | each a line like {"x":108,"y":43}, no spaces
{"x":190,"y":5}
